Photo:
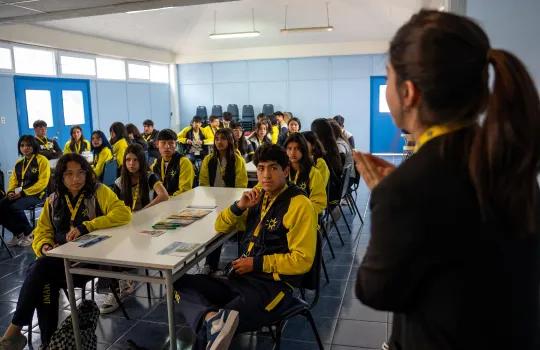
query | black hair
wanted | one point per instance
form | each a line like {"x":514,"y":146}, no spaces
{"x":276,"y":113}
{"x":104,"y":142}
{"x":230,"y":154}
{"x":322,"y":128}
{"x":235,"y":125}
{"x":120,"y":132}
{"x":271,"y":153}
{"x":39,"y":123}
{"x":73,"y":142}
{"x":317,"y":149}
{"x":196,"y":119}
{"x":125,"y":176}
{"x":166,"y":135}
{"x":31,"y":140}
{"x":272,"y":118}
{"x":305,"y":162}
{"x":338,"y":132}
{"x":132,"y":129}
{"x":212,"y":118}
{"x":294,"y":119}
{"x":89,"y":187}
{"x":227,"y":116}
{"x":340,"y":120}
{"x":261,"y":116}
{"x":148,"y":122}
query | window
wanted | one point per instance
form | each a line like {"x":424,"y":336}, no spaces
{"x":138,"y":71}
{"x":77,"y":65}
{"x":72,"y":101}
{"x":383,"y":105}
{"x":38,"y":106}
{"x":34,"y":61}
{"x":109,"y":68}
{"x":159,"y":73}
{"x":5,"y":58}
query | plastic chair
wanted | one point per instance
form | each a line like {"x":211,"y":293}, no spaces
{"x":201,"y":112}
{"x":109,"y":172}
{"x":217,"y":110}
{"x":248,"y":117}
{"x":268,"y":109}
{"x":233,"y":109}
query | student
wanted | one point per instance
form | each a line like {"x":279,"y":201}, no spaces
{"x":150,"y":136}
{"x":227,"y":119}
{"x":77,"y":144}
{"x":47,"y":147}
{"x":293,"y":125}
{"x":174,"y":170}
{"x":260,"y":285}
{"x":224,"y":167}
{"x":303,"y":173}
{"x":455,"y":229}
{"x":260,"y":136}
{"x":211,"y":128}
{"x":281,"y":123}
{"x":26,"y":188}
{"x":102,"y":151}
{"x":193,"y":138}
{"x":135,"y":136}
{"x":243,"y":146}
{"x":317,"y":153}
{"x":119,"y":142}
{"x":80,"y":205}
{"x":346,"y":134}
{"x":321,"y":127}
{"x":344,"y":148}
{"x":273,"y":128}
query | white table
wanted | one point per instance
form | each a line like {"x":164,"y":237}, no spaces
{"x":128,"y":248}
{"x":251,"y":171}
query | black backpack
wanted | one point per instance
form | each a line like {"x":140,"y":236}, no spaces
{"x":64,"y":339}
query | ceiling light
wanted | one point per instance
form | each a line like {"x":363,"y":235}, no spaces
{"x":249,"y":34}
{"x":150,"y":10}
{"x":327,"y":28}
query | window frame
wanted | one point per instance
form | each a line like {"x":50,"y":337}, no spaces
{"x":61,"y":53}
{"x":112,"y":58}
{"x":12,"y":69}
{"x":140,"y":63}
{"x":168,"y":73}
{"x":37,"y":48}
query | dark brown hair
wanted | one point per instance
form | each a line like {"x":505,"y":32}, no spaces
{"x":305,"y":163}
{"x":73,"y":141}
{"x":317,"y":149}
{"x":89,"y":187}
{"x":125,"y":176}
{"x":230,"y":154}
{"x":447,"y":58}
{"x":322,"y":128}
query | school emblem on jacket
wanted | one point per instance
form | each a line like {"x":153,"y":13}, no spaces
{"x":84,"y":212}
{"x":302,"y":186}
{"x":271,"y":224}
{"x":34,"y":170}
{"x":172,"y":172}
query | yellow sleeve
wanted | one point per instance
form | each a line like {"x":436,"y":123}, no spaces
{"x":66,"y":147}
{"x":323,"y":169}
{"x":317,"y":194}
{"x":241,"y":180}
{"x":44,"y":231}
{"x":301,"y":221}
{"x":88,"y":146}
{"x":104,"y":156}
{"x":204,"y":179}
{"x":119,"y":149}
{"x":115,"y":213}
{"x":43,"y":179}
{"x":208,"y":135}
{"x":275,"y":134}
{"x":182,"y":134}
{"x":187,"y":174}
{"x":13,"y":183}
{"x":228,"y":222}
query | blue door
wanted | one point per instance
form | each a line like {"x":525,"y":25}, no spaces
{"x":62,"y":103}
{"x":385,"y":136}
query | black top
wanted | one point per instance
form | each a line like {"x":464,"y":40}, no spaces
{"x":151,"y":140}
{"x":453,"y":280}
{"x":49,"y":148}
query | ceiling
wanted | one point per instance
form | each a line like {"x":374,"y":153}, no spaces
{"x":184,"y":30}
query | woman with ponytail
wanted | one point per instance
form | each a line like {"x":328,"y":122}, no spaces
{"x":455,"y":250}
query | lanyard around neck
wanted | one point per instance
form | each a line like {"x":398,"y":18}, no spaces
{"x":44,"y":141}
{"x":163,"y":168}
{"x":72,"y":210}
{"x":135,"y":197}
{"x":436,"y":131}
{"x":295,"y":177}
{"x":25,"y":168}
{"x":78,"y":147}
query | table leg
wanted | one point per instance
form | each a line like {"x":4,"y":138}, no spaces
{"x":73,"y":305}
{"x":170,"y":308}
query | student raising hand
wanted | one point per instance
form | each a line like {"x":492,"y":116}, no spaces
{"x":249,"y":199}
{"x":373,"y":169}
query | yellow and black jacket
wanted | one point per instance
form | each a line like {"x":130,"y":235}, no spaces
{"x":99,"y":210}
{"x":177,"y":176}
{"x":118,"y":150}
{"x":188,"y":134}
{"x":209,"y":133}
{"x":235,"y":174}
{"x":283,"y":247}
{"x":80,"y":147}
{"x":275,"y":134}
{"x":321,"y":165}
{"x":104,"y":155}
{"x":36,"y":171}
{"x":312,"y":183}
{"x":49,"y":148}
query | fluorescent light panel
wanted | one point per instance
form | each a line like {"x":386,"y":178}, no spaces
{"x":234,"y":35}
{"x":307,"y":29}
{"x":149,"y":10}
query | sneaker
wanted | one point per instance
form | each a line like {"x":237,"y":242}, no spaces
{"x":15,"y":240}
{"x":126,"y":288}
{"x":17,"y":342}
{"x":220,"y":329}
{"x":26,"y":241}
{"x":109,"y":304}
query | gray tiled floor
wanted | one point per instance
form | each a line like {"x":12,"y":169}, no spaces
{"x":343,"y":322}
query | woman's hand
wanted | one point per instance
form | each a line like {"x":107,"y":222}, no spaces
{"x":373,"y":169}
{"x":243,"y":265}
{"x":72,"y":234}
{"x":45,"y":248}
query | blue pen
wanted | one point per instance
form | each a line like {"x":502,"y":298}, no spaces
{"x":94,"y":241}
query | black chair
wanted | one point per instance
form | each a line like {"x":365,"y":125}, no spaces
{"x":248,"y":117}
{"x":217,"y":110}
{"x":233,"y":109}
{"x":109,"y":172}
{"x":201,"y":112}
{"x":268,"y":109}
{"x":2,"y":195}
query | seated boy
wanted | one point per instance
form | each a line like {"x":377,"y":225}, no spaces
{"x":278,"y":248}
{"x":193,"y":139}
{"x":173,"y":169}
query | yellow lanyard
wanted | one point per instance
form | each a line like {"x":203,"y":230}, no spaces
{"x":24,"y":168}
{"x":163,"y":169}
{"x":44,"y":143}
{"x":436,"y":131}
{"x":146,"y":138}
{"x":74,"y":211}
{"x":264,"y":209}
{"x":295,"y":177}
{"x":135,"y":197}
{"x":78,"y":147}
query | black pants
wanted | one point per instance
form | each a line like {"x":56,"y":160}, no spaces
{"x":40,"y":291}
{"x":12,"y":214}
{"x":251,"y":297}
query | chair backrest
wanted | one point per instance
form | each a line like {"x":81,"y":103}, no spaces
{"x":217,"y":110}
{"x":109,"y":172}
{"x":233,"y":109}
{"x":345,"y":178}
{"x":312,"y":278}
{"x":201,"y":112}
{"x":248,"y":112}
{"x":268,"y":109}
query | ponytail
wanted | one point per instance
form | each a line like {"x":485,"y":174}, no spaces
{"x":505,"y":151}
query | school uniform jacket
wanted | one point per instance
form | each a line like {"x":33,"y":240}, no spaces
{"x":452,"y":279}
{"x":256,"y":143}
{"x":151,"y":178}
{"x":36,"y":176}
{"x":49,"y":148}
{"x":209,"y":134}
{"x":275,"y":134}
{"x":321,"y":165}
{"x":209,"y":171}
{"x":100,"y":210}
{"x":98,"y":164}
{"x":84,"y":146}
{"x":118,"y":150}
{"x":151,"y":140}
{"x":312,"y":183}
{"x":284,"y":248}
{"x":178,"y":176}
{"x":247,"y":149}
{"x":187,"y":134}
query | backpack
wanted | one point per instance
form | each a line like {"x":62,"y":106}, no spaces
{"x":64,"y":339}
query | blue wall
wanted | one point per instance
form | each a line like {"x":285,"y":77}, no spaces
{"x":110,"y":101}
{"x":307,"y":87}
